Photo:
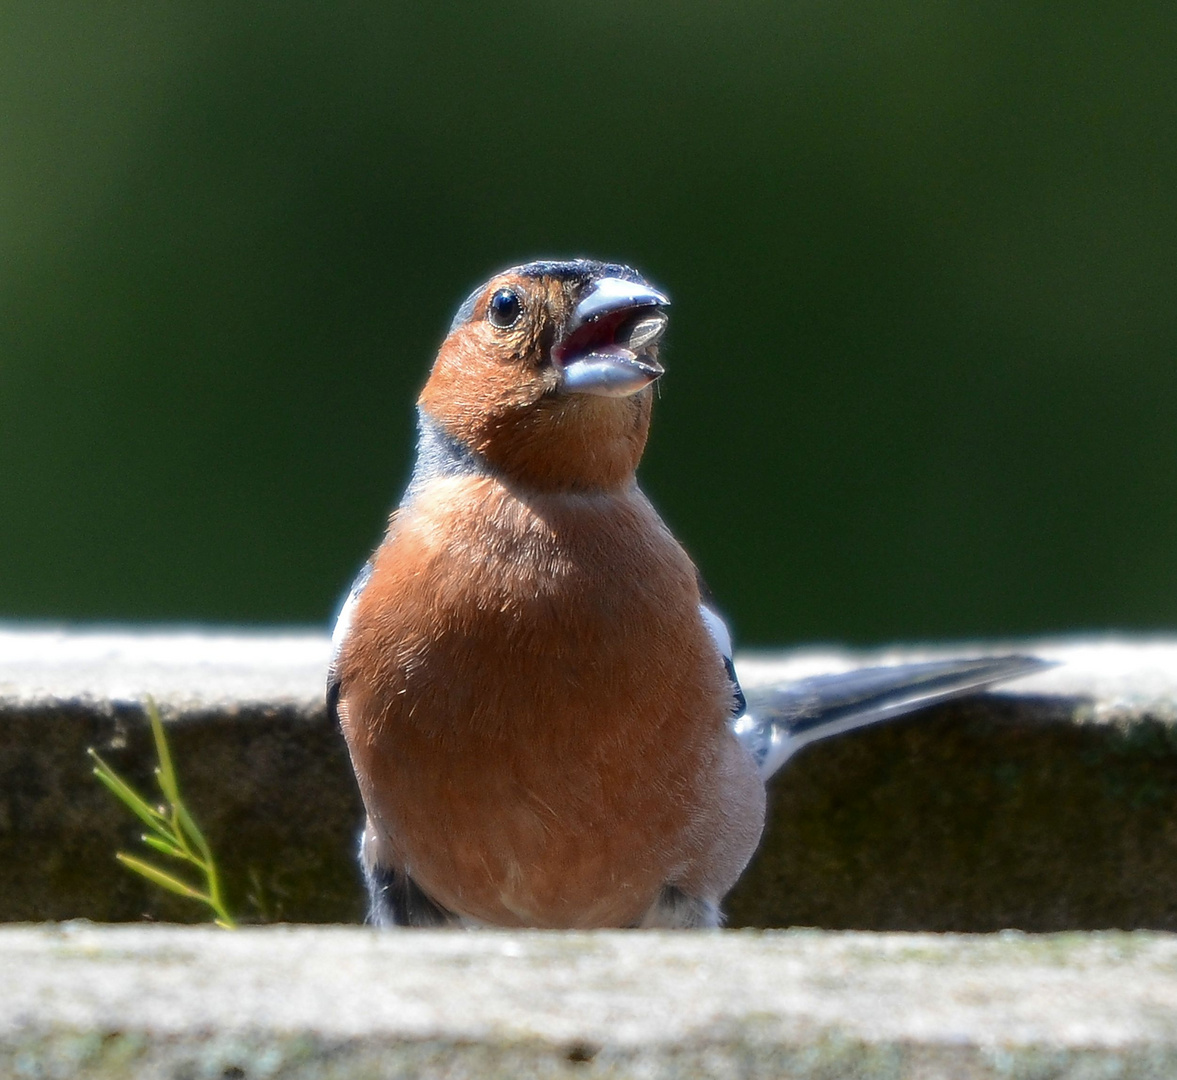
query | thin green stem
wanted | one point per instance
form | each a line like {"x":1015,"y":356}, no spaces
{"x":174,"y":831}
{"x":150,"y":817}
{"x":161,"y":877}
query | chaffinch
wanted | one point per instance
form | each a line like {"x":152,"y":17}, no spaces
{"x":537,"y":695}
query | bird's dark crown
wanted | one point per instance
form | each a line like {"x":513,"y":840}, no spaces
{"x":560,"y":269}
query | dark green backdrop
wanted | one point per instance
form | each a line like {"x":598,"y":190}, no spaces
{"x":923,"y":259}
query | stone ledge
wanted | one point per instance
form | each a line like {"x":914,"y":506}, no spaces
{"x":189,"y":672}
{"x":194,"y":671}
{"x":1048,"y":806}
{"x":94,"y":1002}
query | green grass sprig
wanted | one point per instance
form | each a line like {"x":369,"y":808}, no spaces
{"x":173,"y":831}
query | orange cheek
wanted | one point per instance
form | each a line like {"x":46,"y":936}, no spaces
{"x":473,"y":384}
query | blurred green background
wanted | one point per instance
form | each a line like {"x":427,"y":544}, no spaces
{"x":923,"y":259}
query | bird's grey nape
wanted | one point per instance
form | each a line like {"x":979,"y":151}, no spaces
{"x":440,"y":455}
{"x":464,"y":313}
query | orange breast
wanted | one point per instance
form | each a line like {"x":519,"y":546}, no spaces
{"x":534,"y":708}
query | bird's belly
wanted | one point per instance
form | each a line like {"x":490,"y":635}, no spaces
{"x":530,"y":789}
{"x":501,"y":858}
{"x":538,"y":745}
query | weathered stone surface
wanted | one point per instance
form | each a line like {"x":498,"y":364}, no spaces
{"x":1049,"y":806}
{"x":283,"y":1003}
{"x":189,"y":672}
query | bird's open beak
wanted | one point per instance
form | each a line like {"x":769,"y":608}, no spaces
{"x":606,"y":350}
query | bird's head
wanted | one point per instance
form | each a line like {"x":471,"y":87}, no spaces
{"x":546,"y":373}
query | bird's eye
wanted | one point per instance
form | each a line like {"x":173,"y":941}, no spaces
{"x":504,"y":309}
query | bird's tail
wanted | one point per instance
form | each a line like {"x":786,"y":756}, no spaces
{"x":780,"y":721}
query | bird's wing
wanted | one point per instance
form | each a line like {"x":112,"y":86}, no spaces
{"x":722,"y":637}
{"x":784,"y":719}
{"x":339,"y":635}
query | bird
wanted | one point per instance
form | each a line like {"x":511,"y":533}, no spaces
{"x":536,"y":689}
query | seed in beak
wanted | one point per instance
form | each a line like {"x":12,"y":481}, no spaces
{"x":646,"y":330}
